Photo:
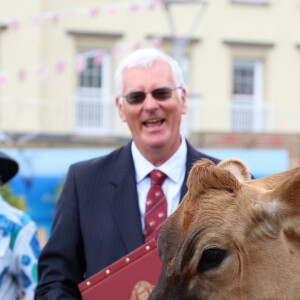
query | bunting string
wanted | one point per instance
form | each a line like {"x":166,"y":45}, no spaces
{"x":42,"y":71}
{"x":37,"y":21}
{"x":79,"y":63}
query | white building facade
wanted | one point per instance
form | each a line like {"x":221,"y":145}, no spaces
{"x":241,"y":61}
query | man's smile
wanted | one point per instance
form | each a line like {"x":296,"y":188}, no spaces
{"x":153,"y":122}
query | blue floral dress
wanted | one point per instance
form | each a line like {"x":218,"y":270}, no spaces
{"x":19,"y":252}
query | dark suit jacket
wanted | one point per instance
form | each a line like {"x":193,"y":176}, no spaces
{"x":96,"y":222}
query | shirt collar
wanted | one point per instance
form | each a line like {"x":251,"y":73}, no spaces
{"x":173,"y":167}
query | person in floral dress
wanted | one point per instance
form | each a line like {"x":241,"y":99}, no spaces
{"x":19,"y":246}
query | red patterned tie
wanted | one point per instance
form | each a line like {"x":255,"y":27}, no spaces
{"x":156,"y":206}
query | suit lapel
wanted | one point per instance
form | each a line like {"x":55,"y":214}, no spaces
{"x":192,"y":156}
{"x":125,"y":204}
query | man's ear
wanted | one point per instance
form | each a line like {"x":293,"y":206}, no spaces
{"x":120,"y":107}
{"x":184,"y":101}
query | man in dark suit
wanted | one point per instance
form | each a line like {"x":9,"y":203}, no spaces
{"x":100,"y":215}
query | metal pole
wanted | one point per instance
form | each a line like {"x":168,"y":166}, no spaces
{"x":180,"y":43}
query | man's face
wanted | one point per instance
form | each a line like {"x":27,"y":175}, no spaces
{"x":154,"y":124}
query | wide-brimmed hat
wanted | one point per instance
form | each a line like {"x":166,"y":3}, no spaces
{"x":8,"y":168}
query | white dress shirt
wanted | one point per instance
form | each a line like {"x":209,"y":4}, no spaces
{"x":174,"y":168}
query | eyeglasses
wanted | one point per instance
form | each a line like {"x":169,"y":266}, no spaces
{"x":160,"y":94}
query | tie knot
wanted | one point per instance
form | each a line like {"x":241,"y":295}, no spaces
{"x":157,"y":177}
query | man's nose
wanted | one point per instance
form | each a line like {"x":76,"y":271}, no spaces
{"x":150,"y":102}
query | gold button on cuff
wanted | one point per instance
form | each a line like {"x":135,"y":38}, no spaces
{"x":88,"y":283}
{"x":107,"y":272}
{"x":147,"y":248}
{"x":127,"y":259}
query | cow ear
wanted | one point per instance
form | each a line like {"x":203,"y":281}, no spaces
{"x":284,"y":200}
{"x":277,"y":206}
{"x":205,"y":175}
{"x":237,"y":167}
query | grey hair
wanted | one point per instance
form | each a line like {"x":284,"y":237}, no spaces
{"x":145,"y":58}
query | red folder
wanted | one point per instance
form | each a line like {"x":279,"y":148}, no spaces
{"x":132,"y":277}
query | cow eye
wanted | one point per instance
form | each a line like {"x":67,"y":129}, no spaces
{"x":211,"y":258}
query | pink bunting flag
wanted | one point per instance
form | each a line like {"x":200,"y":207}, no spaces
{"x":3,"y":80}
{"x":55,"y":18}
{"x":60,"y":67}
{"x":151,"y":5}
{"x":98,"y":58}
{"x":137,"y":45}
{"x":21,"y":75}
{"x":42,"y":72}
{"x":156,"y":40}
{"x":37,"y":21}
{"x":117,"y":51}
{"x":94,"y":12}
{"x":112,"y":10}
{"x":15,"y":23}
{"x":80,"y":63}
{"x":134,"y":7}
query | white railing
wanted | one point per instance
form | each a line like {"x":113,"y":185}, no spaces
{"x":245,"y":116}
{"x":93,"y":113}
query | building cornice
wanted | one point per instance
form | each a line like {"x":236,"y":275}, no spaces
{"x":248,"y":43}
{"x":95,"y":34}
{"x":3,"y":27}
{"x":169,"y":38}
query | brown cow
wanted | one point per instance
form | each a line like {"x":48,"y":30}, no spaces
{"x":232,"y":237}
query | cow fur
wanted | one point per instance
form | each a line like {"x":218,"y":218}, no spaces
{"x":232,"y":237}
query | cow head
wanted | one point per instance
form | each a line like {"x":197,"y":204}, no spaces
{"x":232,"y":237}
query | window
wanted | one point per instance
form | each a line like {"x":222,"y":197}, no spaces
{"x":247,"y":80}
{"x":247,"y":112}
{"x":91,"y":75}
{"x":92,"y":103}
{"x":93,"y":109}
